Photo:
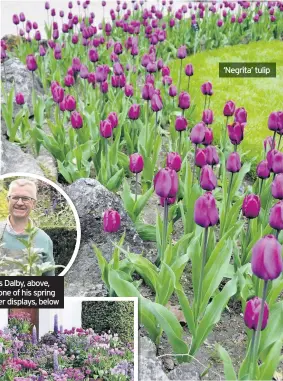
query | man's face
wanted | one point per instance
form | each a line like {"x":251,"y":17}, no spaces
{"x":21,"y":201}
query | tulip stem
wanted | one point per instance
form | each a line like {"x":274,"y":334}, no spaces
{"x":165,"y":224}
{"x":225,"y":134}
{"x":106,"y":158}
{"x":277,"y":234}
{"x":199,"y":291}
{"x":257,"y":332}
{"x":194,"y":169}
{"x":156,"y":124}
{"x":278,"y":147}
{"x":180,"y":143}
{"x":229,"y":191}
{"x":260,"y":186}
{"x":189,"y":84}
{"x":204,"y":102}
{"x":32,"y":79}
{"x":273,"y":139}
{"x":245,"y":246}
{"x":146,"y":129}
{"x":180,"y":73}
{"x":136,"y":188}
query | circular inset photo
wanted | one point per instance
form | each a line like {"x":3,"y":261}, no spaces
{"x":39,"y":227}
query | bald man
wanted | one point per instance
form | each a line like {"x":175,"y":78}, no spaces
{"x":22,"y":196}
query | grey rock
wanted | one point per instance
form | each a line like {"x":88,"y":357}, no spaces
{"x":91,"y":199}
{"x":168,"y":363}
{"x":19,"y":76}
{"x":185,"y":372}
{"x":13,"y":159}
{"x":150,"y":367}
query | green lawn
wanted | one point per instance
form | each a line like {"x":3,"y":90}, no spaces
{"x":260,"y":96}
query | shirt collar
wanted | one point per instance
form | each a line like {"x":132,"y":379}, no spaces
{"x":11,"y":230}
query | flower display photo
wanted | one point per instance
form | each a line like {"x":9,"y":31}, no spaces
{"x":162,"y":121}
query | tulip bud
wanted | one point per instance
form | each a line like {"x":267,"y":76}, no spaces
{"x":275,"y":121}
{"x":205,"y":212}
{"x":277,"y":187}
{"x":200,"y":159}
{"x":262,"y":170}
{"x":111,"y":221}
{"x":251,"y":206}
{"x":16,"y":19}
{"x":198,"y":133}
{"x":104,"y":87}
{"x":136,"y":163}
{"x":212,"y":157}
{"x":241,"y":115}
{"x":233,"y":163}
{"x":252,"y":312}
{"x":134,"y":111}
{"x":20,"y":100}
{"x":236,"y":132}
{"x":266,"y":260}
{"x":184,"y":100}
{"x":42,"y":51}
{"x":76,"y":120}
{"x":276,"y":216}
{"x":181,"y":123}
{"x":229,"y":108}
{"x":69,"y":80}
{"x":208,"y":180}
{"x":166,"y":183}
{"x":174,"y":161}
{"x":106,"y":128}
{"x":31,"y":62}
{"x":269,"y":142}
{"x":57,"y":93}
{"x":189,"y":70}
{"x":207,"y":116}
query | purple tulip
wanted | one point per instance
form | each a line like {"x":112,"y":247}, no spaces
{"x":208,"y":180}
{"x":184,"y":100}
{"x":172,"y":91}
{"x":16,"y":19}
{"x":212,"y":157}
{"x":233,"y":163}
{"x":251,"y":206}
{"x":111,"y":221}
{"x":42,"y":51}
{"x":156,"y":102}
{"x":106,"y":129}
{"x":136,"y":163}
{"x":174,"y":161}
{"x":266,"y":260}
{"x":57,"y":93}
{"x":189,"y":70}
{"x":229,"y":108}
{"x":207,"y":116}
{"x":55,"y":324}
{"x":269,"y":142}
{"x":219,"y":23}
{"x":241,"y":115}
{"x":165,"y":71}
{"x":134,"y":111}
{"x":252,"y":312}
{"x":118,"y":49}
{"x":275,"y":161}
{"x":236,"y":132}
{"x":208,"y":136}
{"x":262,"y":170}
{"x":147,"y":91}
{"x":22,"y":17}
{"x":84,"y":72}
{"x":70,"y":103}
{"x":31,"y":62}
{"x":93,"y":55}
{"x":275,"y":121}
{"x":104,"y":87}
{"x":166,"y":183}
{"x":205,"y":212}
{"x":200,"y":159}
{"x":182,"y":52}
{"x":181,"y":123}
{"x":276,"y":216}
{"x":76,"y":120}
{"x":113,"y":118}
{"x":198,"y":133}
{"x":20,"y":100}
{"x":129,"y":90}
{"x":206,"y":88}
{"x":277,"y":187}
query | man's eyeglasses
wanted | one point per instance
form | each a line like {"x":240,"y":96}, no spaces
{"x":24,"y":199}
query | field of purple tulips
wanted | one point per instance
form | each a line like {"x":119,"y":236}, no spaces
{"x":76,"y":354}
{"x":114,"y":111}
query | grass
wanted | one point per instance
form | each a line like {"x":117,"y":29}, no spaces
{"x":260,"y":96}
